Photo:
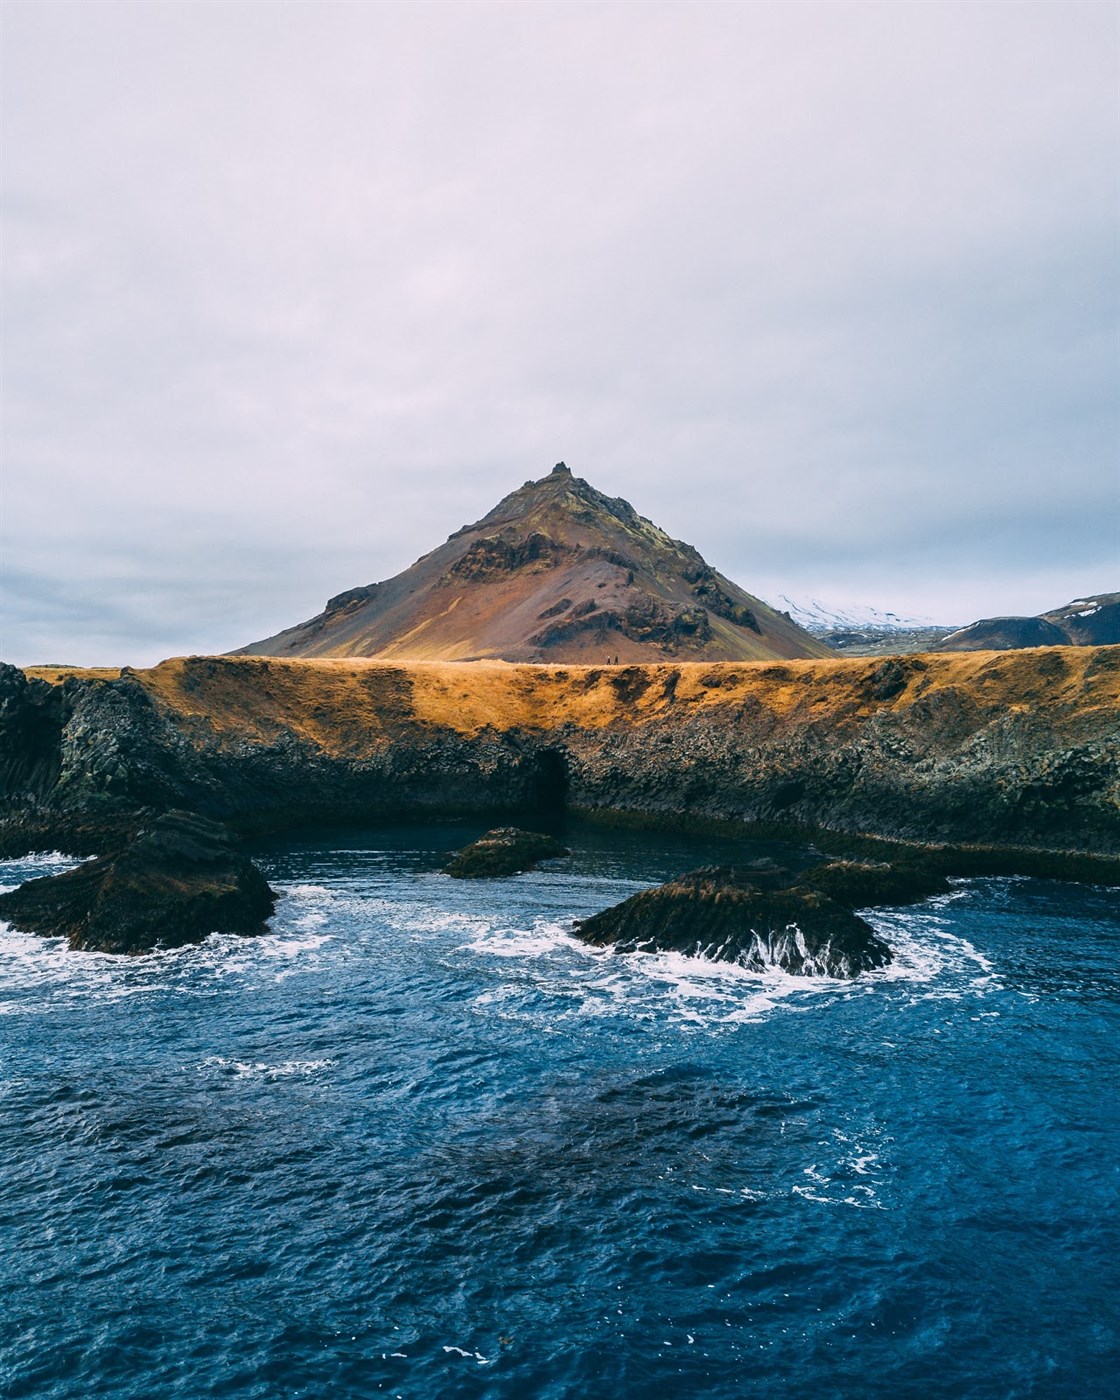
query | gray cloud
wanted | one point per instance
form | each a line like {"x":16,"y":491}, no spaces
{"x":293,"y":291}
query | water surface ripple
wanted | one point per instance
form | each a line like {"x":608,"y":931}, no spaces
{"x":418,"y":1142}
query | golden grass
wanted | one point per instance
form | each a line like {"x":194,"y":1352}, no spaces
{"x":57,"y":674}
{"x":355,"y":706}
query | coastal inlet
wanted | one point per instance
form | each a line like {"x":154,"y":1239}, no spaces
{"x":420,"y":1141}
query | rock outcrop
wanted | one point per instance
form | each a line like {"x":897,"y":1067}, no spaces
{"x":727,"y":915}
{"x":181,"y":878}
{"x":556,"y":572}
{"x":507,"y":850}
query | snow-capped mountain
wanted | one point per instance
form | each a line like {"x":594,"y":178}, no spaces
{"x":821,"y":618}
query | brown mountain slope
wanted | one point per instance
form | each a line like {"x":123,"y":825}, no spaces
{"x":556,"y":572}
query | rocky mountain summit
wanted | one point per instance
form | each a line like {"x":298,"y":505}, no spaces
{"x":556,"y":572}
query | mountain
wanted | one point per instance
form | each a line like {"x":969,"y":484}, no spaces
{"x":1091,"y":621}
{"x":822,"y":618}
{"x":864,"y":631}
{"x":556,"y":572}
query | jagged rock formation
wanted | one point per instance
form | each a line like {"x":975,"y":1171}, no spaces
{"x":726,"y":915}
{"x":179,"y":879}
{"x":507,"y":850}
{"x":556,"y":572}
{"x":1084,"y":622}
{"x":1003,"y":750}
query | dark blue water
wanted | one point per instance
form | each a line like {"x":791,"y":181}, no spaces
{"x":419,"y":1143}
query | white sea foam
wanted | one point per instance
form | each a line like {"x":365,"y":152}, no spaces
{"x":424,"y":921}
{"x":928,"y":957}
{"x":542,"y":940}
{"x":470,"y":1355}
{"x":48,"y":967}
{"x":592,"y":982}
{"x":258,"y":1069}
{"x":54,"y":974}
{"x":52,"y":861}
{"x":825,"y":1190}
{"x":579,"y":981}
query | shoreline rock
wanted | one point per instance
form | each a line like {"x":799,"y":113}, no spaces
{"x":506,"y":850}
{"x":723,"y":913}
{"x":864,"y":884}
{"x":181,"y":879}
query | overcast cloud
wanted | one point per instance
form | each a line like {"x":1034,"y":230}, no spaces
{"x":292,"y":291}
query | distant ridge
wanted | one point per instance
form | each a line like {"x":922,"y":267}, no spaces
{"x":823,"y":618}
{"x":864,"y":630}
{"x":1093,"y":621}
{"x":556,"y":572}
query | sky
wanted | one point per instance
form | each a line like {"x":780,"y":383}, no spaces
{"x":292,"y":291}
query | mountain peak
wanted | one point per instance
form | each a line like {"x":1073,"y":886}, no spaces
{"x":560,"y":572}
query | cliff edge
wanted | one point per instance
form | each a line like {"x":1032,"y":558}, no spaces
{"x":1002,"y":749}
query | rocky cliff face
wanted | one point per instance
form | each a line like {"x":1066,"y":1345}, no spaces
{"x":1018,"y":748}
{"x":556,"y":572}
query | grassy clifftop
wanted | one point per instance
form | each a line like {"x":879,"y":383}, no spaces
{"x":348,"y":706}
{"x":1003,"y":749}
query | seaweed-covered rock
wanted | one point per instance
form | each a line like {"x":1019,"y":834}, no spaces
{"x":507,"y":850}
{"x":722,"y":913}
{"x":181,"y":879}
{"x":862,"y":884}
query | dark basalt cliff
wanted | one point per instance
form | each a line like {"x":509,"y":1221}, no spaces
{"x":1001,"y":750}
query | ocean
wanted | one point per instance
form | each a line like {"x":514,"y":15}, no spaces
{"x":419,"y":1142}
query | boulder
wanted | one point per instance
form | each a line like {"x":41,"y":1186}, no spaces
{"x":506,"y":850}
{"x":181,"y":878}
{"x":724,"y":913}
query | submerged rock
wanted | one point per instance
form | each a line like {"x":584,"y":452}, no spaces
{"x":507,"y":850}
{"x":182,"y":878}
{"x":724,"y":914}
